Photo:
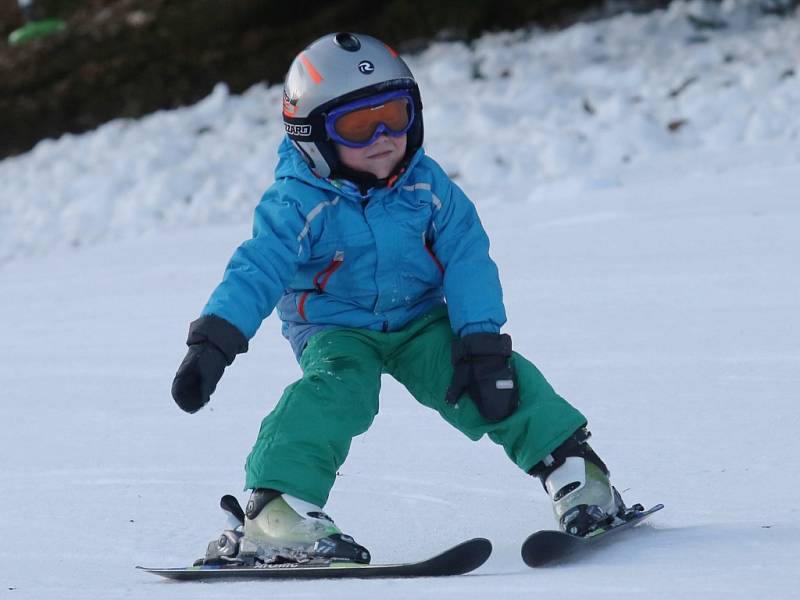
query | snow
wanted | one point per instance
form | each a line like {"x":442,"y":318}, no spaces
{"x":652,"y":275}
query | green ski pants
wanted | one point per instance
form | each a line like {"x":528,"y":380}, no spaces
{"x":306,"y":438}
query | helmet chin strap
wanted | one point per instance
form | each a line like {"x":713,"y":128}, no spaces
{"x":366,"y":181}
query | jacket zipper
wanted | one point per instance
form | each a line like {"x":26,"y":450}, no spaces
{"x":320,"y":281}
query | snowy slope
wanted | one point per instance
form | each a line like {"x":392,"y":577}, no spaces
{"x":661,"y":295}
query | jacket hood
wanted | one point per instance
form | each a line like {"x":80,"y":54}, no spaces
{"x":292,"y":165}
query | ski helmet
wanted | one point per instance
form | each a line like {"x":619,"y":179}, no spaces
{"x":339,"y":68}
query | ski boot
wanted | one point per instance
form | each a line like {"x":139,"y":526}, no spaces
{"x":281,"y":528}
{"x":577,"y":482}
{"x":277,"y":528}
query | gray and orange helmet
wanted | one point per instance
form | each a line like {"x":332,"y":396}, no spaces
{"x":336,"y":69}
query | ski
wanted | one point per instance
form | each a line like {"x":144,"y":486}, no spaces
{"x":550,"y":546}
{"x":458,"y":560}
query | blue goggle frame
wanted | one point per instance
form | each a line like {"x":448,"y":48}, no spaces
{"x":376,"y":100}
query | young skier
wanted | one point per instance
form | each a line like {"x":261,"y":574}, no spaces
{"x":377,"y":263}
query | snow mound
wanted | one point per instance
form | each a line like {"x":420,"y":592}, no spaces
{"x":513,"y":116}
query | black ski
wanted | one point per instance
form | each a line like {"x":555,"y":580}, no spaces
{"x":460,"y":559}
{"x":549,"y":546}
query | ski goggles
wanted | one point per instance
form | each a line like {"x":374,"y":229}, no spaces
{"x":359,"y":123}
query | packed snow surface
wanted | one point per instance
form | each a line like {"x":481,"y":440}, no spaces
{"x":639,"y":179}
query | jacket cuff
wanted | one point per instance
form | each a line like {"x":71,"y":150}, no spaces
{"x":483,"y":327}
{"x":220,"y":333}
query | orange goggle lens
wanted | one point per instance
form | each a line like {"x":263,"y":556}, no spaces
{"x":360,"y":125}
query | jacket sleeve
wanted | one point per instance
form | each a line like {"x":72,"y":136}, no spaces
{"x":471,"y":280}
{"x":262,"y":267}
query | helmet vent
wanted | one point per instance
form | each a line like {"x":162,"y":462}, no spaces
{"x":347,"y":41}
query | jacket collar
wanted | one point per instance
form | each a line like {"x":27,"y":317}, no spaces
{"x":292,"y":165}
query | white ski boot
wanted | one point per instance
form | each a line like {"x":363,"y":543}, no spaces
{"x":577,"y":482}
{"x":279,"y":528}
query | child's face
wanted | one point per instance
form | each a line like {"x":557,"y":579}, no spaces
{"x":379,"y":158}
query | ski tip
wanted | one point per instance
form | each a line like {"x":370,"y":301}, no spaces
{"x":486,"y":544}
{"x":468,"y":555}
{"x":551,"y":546}
{"x":481,"y":546}
{"x":545,"y":547}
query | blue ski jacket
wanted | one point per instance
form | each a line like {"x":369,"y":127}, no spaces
{"x":327,"y":256}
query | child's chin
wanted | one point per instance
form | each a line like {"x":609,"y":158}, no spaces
{"x":382,"y":171}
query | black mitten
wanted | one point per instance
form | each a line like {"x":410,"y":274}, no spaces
{"x":482,"y":367}
{"x":213,"y":344}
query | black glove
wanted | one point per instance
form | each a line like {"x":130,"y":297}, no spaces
{"x":213,"y":344}
{"x":482,"y":367}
